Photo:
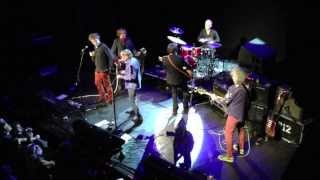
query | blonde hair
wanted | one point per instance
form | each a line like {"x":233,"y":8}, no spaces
{"x":127,"y":52}
{"x":238,"y":75}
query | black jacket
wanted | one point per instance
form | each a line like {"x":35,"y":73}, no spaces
{"x":173,"y":76}
{"x":103,"y":58}
{"x":117,"y":46}
{"x":212,"y":35}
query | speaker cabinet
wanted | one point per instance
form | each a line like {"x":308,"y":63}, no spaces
{"x":156,"y":168}
{"x":257,"y":113}
{"x":261,"y":94}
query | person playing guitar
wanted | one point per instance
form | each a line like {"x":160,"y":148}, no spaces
{"x":237,"y":102}
{"x":178,"y":73}
{"x":123,"y":42}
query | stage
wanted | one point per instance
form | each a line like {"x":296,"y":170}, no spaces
{"x":204,"y":121}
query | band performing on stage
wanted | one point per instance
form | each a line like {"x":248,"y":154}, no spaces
{"x":183,"y":64}
{"x":229,"y":83}
{"x":153,"y":90}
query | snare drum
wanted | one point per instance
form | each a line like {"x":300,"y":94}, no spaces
{"x":186,"y":51}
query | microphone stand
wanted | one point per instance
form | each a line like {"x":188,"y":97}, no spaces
{"x":114,"y":113}
{"x":116,"y":131}
{"x":113,"y":101}
{"x":80,"y":65}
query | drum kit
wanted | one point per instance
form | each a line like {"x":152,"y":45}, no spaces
{"x":201,"y":59}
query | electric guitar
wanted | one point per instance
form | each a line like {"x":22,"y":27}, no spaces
{"x":272,"y":117}
{"x":185,"y":71}
{"x":215,"y":99}
{"x":138,"y":54}
{"x":119,"y":65}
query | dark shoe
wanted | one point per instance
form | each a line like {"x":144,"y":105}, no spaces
{"x":259,"y":141}
{"x":137,"y":119}
{"x":130,"y":112}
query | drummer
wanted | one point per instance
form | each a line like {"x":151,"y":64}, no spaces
{"x":208,"y":35}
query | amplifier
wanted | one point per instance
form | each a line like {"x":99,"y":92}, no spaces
{"x":261,"y":94}
{"x":290,"y":130}
{"x":257,"y":112}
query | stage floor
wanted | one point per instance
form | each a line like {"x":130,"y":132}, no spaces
{"x":204,"y":121}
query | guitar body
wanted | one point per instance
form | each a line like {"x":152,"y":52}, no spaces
{"x":272,"y":118}
{"x":215,"y":99}
{"x":189,"y":72}
{"x":120,"y":66}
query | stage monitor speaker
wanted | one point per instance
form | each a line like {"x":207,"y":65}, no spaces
{"x":156,"y":168}
{"x":96,"y":140}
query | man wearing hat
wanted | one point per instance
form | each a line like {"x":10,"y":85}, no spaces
{"x":177,"y":76}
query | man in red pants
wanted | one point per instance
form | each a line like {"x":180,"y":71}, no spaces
{"x":236,"y":100}
{"x":103,"y":59}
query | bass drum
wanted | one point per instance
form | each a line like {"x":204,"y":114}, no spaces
{"x":207,"y":52}
{"x":191,"y":61}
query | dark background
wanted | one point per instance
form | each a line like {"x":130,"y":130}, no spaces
{"x":43,"y":33}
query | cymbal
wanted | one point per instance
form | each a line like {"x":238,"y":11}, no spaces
{"x":176,"y":40}
{"x":214,"y":44}
{"x":176,"y":30}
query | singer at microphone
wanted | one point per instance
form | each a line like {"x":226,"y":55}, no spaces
{"x":103,"y":58}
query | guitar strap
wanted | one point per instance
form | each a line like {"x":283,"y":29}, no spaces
{"x":247,"y":103}
{"x":175,"y":67}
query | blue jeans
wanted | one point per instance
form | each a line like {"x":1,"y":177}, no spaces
{"x":133,"y":101}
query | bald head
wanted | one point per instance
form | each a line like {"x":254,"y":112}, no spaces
{"x":208,"y":24}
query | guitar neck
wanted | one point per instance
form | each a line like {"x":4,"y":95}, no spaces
{"x":216,"y":100}
{"x":213,"y":96}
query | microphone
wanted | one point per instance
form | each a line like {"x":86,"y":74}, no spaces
{"x":83,"y":49}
